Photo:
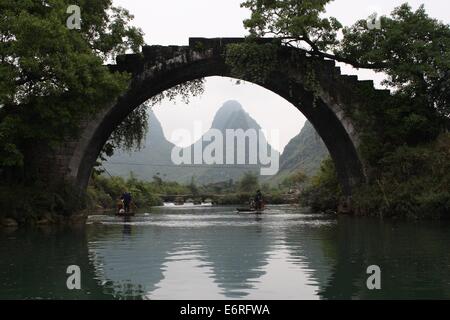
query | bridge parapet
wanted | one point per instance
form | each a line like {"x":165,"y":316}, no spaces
{"x":156,"y":58}
{"x":157,"y":54}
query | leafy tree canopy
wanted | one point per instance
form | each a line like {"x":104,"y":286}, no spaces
{"x":410,"y":47}
{"x":293,"y":20}
{"x":51,"y":77}
{"x":296,"y":179}
{"x":249,"y":182}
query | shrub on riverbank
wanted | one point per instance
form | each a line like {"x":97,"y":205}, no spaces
{"x":242,"y":198}
{"x":103,"y":192}
{"x":276,"y":197}
{"x":323,"y":192}
{"x":411,"y":182}
{"x":37,"y":203}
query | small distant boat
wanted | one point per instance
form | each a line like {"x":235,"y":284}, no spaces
{"x":252,"y":208}
{"x":249,"y":210}
{"x":121,"y":212}
{"x":124,"y":214}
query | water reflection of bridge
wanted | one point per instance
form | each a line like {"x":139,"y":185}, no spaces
{"x":235,"y":258}
{"x":333,"y":257}
{"x":131,"y":261}
{"x":233,"y":266}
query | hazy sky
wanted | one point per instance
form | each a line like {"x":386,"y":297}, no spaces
{"x":172,"y":22}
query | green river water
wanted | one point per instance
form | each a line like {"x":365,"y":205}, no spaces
{"x":214,"y":253}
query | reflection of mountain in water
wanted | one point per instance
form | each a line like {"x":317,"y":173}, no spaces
{"x":237,"y":255}
{"x":307,"y":250}
{"x":130,"y":267}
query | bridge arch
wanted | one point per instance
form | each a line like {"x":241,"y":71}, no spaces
{"x":161,"y":68}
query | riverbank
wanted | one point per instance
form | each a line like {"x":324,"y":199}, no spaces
{"x":412,"y":182}
{"x":45,"y":220}
{"x":104,"y":192}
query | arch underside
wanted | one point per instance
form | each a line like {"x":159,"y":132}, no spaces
{"x":331,"y":129}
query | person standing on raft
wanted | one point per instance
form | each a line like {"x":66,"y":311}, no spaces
{"x":126,"y":199}
{"x":259,"y":201}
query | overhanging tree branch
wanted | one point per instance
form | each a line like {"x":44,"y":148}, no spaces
{"x":317,"y":52}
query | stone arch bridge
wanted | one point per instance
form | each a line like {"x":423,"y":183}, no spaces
{"x":159,"y":68}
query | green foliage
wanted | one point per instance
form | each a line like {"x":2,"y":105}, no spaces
{"x":412,"y":49}
{"x":252,"y":61}
{"x":28,"y":204}
{"x":130,"y":134}
{"x":193,"y":188}
{"x":104,"y":192}
{"x":52,"y":77}
{"x":408,"y":171}
{"x":324,"y":191}
{"x":410,"y":182}
{"x":275,"y":197}
{"x":185,"y":91}
{"x":293,"y":20}
{"x":387,"y":124}
{"x":272,"y":197}
{"x":295,"y":180}
{"x":221,"y":187}
{"x":240,"y":198}
{"x":249,"y":182}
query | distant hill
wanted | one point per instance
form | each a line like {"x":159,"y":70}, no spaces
{"x":306,"y":152}
{"x":155,"y":157}
{"x":156,"y":151}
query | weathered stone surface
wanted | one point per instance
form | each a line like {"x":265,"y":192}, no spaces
{"x":160,"y":68}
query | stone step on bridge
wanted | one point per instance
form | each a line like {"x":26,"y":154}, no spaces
{"x":159,"y":68}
